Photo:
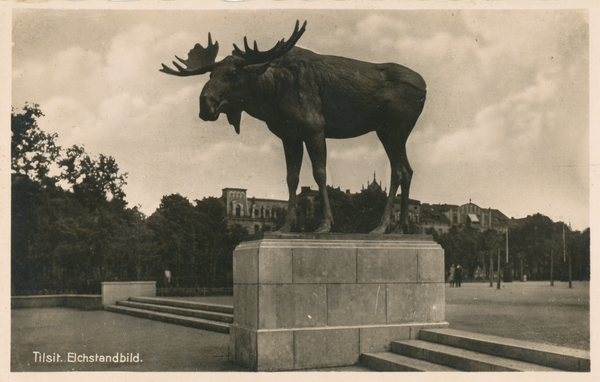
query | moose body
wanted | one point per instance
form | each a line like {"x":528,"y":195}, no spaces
{"x":304,"y":98}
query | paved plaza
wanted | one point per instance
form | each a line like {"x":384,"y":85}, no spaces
{"x":530,"y":311}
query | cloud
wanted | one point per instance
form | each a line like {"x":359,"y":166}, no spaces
{"x":216,"y":152}
{"x":520,"y":127}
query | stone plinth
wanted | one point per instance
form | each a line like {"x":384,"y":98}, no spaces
{"x":113,"y":291}
{"x":313,"y":301}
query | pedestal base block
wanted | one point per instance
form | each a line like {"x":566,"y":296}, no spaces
{"x":321,"y":300}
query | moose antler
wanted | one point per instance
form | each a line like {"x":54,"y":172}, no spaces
{"x":200,"y":60}
{"x":253,"y":56}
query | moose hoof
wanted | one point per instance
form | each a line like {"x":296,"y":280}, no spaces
{"x":398,"y":231}
{"x":324,"y":228}
{"x":378,"y":231}
{"x":287,"y":228}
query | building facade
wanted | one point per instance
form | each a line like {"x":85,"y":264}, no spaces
{"x":442,"y":217}
{"x":483,"y":219}
{"x":260,"y":215}
{"x":434,"y":217}
{"x":254,"y":214}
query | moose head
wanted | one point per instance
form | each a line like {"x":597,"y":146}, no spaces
{"x":231,"y":79}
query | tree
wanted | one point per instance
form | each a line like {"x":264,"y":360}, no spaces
{"x":490,"y":242}
{"x":461,"y":246}
{"x":25,"y":201}
{"x":64,"y":240}
{"x":358,"y":213}
{"x":533,"y":241}
{"x":92,"y":181}
{"x":580,"y":251}
{"x":368,"y":206}
{"x":33,"y":152}
{"x":174,"y":227}
{"x":215,"y":259}
{"x":193,"y":241}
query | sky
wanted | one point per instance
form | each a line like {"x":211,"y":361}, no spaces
{"x":505,"y":125}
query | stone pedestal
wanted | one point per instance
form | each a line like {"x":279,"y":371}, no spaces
{"x":313,"y":301}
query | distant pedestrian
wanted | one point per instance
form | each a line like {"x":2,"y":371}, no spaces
{"x":451,"y":276}
{"x":168,"y":275}
{"x":458,"y":275}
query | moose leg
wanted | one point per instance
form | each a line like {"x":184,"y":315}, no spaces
{"x":293,"y":159}
{"x":401,"y":175}
{"x":317,"y":150}
{"x":387,"y":212}
{"x":405,"y":180}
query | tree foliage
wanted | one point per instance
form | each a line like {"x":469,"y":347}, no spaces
{"x":352,"y":213}
{"x":92,"y":181}
{"x":73,"y":230}
{"x":535,"y":246}
{"x":32,"y":150}
{"x":193,"y":241}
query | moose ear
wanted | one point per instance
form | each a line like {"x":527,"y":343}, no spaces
{"x":256,"y":70}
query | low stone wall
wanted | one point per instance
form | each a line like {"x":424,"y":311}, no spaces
{"x":79,"y":301}
{"x":193,"y":292}
{"x":113,"y":291}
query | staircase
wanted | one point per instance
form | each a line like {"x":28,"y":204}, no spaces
{"x":198,"y":315}
{"x":435,"y":350}
{"x":456,"y":350}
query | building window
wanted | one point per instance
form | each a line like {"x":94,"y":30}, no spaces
{"x":238,"y":210}
{"x":267,"y":215}
{"x":256,"y":228}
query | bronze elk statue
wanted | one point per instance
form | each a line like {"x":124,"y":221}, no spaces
{"x":305,"y":97}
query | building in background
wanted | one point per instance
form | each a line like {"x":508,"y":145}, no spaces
{"x":442,"y":217}
{"x":472,"y":215}
{"x":260,"y":215}
{"x":435,"y":216}
{"x":254,"y":214}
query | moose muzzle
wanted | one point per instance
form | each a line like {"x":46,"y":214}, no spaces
{"x":210,"y":108}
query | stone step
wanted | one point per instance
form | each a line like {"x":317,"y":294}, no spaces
{"x":462,"y":359}
{"x":185,"y":304}
{"x":193,"y":322}
{"x":388,"y":361}
{"x":548,"y":355}
{"x":207,"y":315}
